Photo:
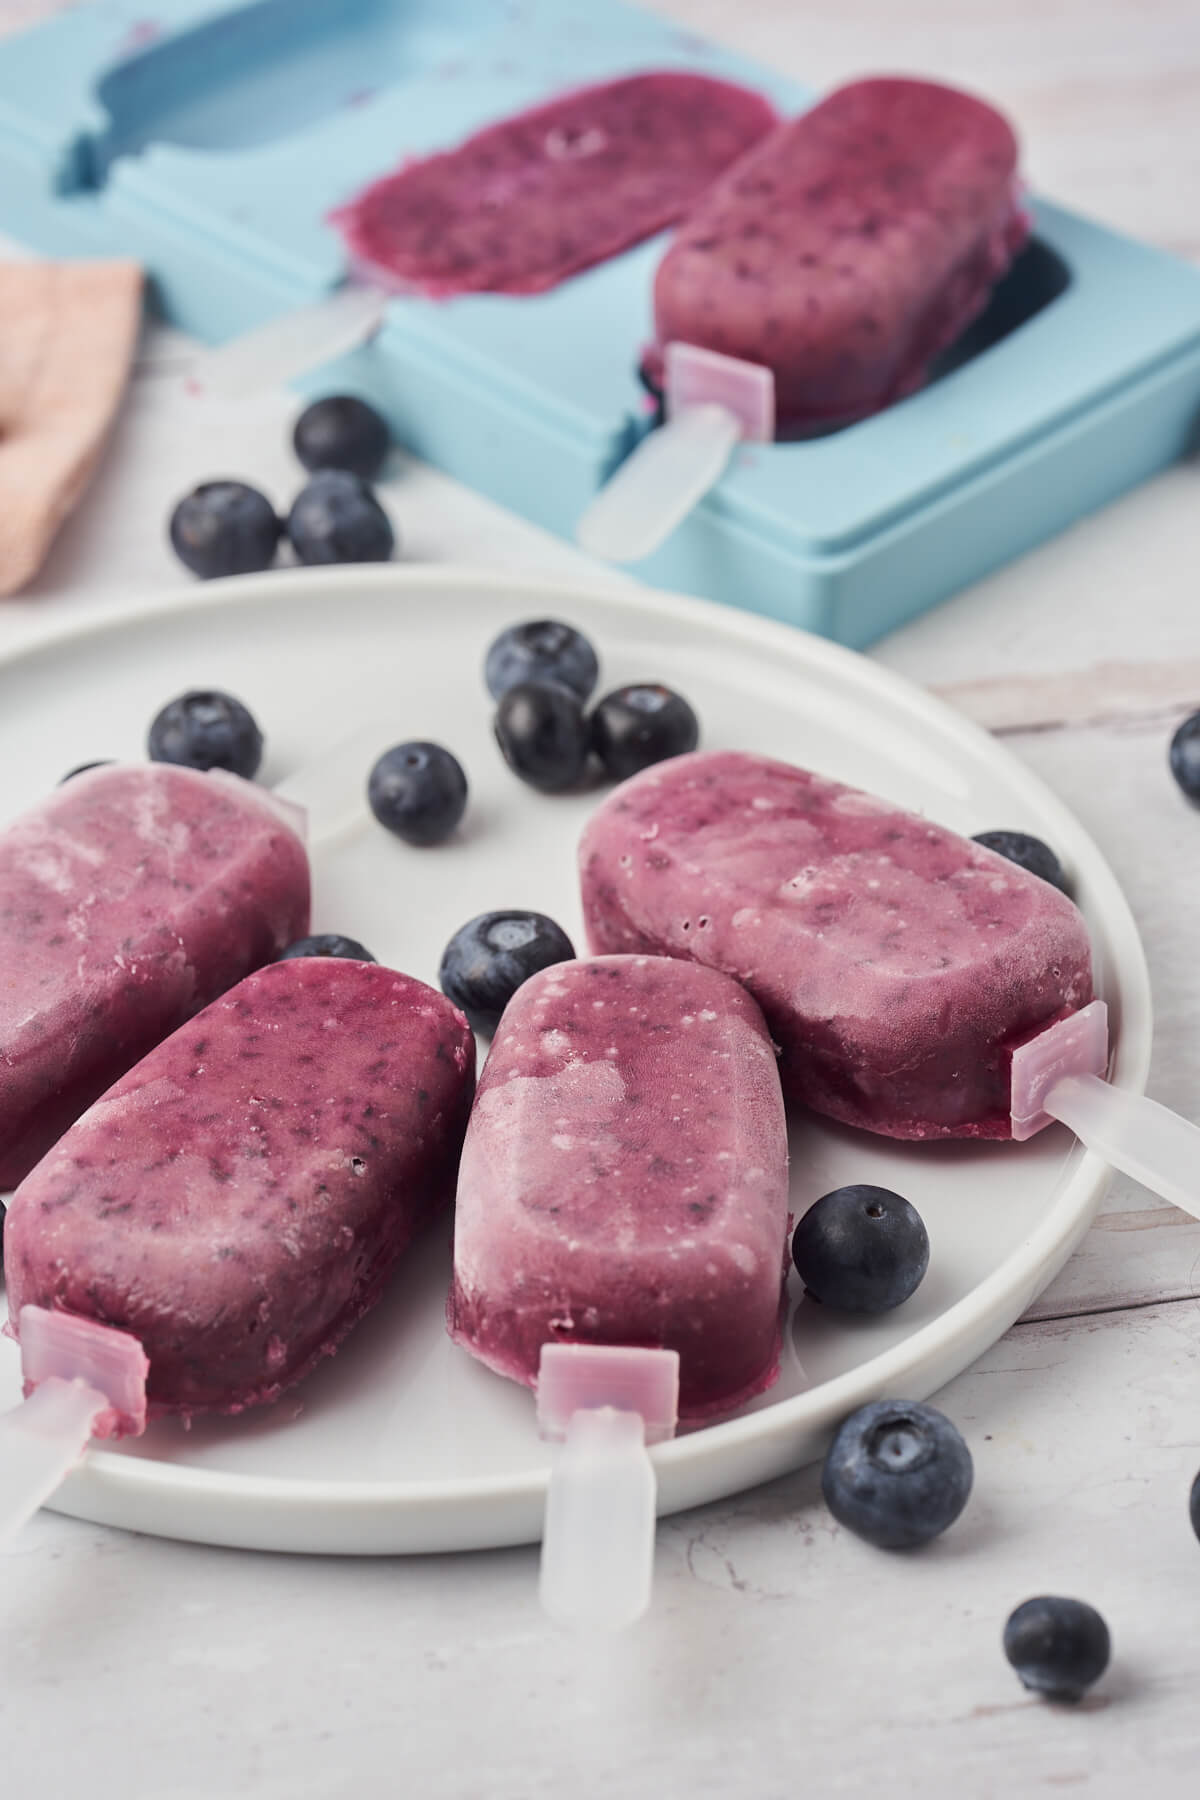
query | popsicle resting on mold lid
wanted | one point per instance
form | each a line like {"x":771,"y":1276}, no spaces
{"x":220,"y":1219}
{"x":514,"y":209}
{"x":712,"y":403}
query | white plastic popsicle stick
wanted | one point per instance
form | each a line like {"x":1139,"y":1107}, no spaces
{"x":87,"y":1380}
{"x":606,"y":1404}
{"x":288,"y":346}
{"x":713,"y":403}
{"x":1060,"y":1075}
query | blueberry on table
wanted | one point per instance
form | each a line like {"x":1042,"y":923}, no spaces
{"x":897,"y":1474}
{"x":639,"y":725}
{"x":105,"y":762}
{"x":206,"y":729}
{"x":418,"y":791}
{"x":1185,"y":756}
{"x":1058,"y":1647}
{"x":541,"y":650}
{"x":342,"y":432}
{"x":327,"y":943}
{"x":487,"y":959}
{"x":543,"y":734}
{"x":225,"y":528}
{"x":1194,"y":1506}
{"x":335,"y":518}
{"x":861,"y":1249}
{"x":1027,"y":852}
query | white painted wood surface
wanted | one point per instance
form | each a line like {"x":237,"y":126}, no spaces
{"x":782,"y":1656}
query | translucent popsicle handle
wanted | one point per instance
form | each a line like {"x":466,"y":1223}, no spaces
{"x":598,"y":1539}
{"x":40,"y":1442}
{"x":1138,"y":1136}
{"x":656,"y":487}
{"x":288,"y":346}
{"x":332,"y":788}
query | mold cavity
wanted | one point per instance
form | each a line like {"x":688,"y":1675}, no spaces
{"x":263,"y":72}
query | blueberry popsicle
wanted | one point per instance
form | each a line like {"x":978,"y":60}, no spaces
{"x":235,"y":1202}
{"x":624,"y":1178}
{"x":129,"y":898}
{"x":537,"y":197}
{"x":848,"y":247}
{"x":897,"y":964}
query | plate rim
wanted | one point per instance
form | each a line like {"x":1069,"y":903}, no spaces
{"x":96,"y":1491}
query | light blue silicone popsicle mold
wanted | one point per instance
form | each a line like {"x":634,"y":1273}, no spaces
{"x":212,"y":141}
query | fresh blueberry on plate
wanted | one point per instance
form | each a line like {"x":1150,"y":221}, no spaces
{"x":105,"y":762}
{"x":418,"y":791}
{"x":861,"y":1249}
{"x":1027,"y":852}
{"x":225,"y":528}
{"x":326,"y":943}
{"x":1185,"y":757}
{"x":206,"y":729}
{"x":335,"y":518}
{"x":342,"y":432}
{"x":1058,"y":1647}
{"x":642,"y":724}
{"x":541,"y":650}
{"x":1194,"y":1506}
{"x":487,"y":959}
{"x":897,"y":1474}
{"x":543,"y":734}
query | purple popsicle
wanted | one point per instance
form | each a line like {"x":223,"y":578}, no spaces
{"x":898,"y":965}
{"x":236,"y":1202}
{"x":537,"y":197}
{"x":129,"y":898}
{"x":624,"y":1178}
{"x":849,"y":246}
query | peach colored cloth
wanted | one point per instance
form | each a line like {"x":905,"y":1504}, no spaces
{"x":67,"y":336}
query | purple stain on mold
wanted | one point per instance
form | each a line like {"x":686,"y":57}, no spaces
{"x":141,"y":34}
{"x":360,"y":97}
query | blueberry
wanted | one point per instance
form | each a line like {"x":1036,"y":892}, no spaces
{"x":486,"y":961}
{"x":1194,"y":1506}
{"x":541,"y":650}
{"x":326,"y":944}
{"x":342,"y":432}
{"x":418,"y":791}
{"x":861,"y":1249}
{"x":205,"y":729}
{"x":1027,"y":852}
{"x":897,"y":1474}
{"x":1058,"y":1647}
{"x":543,"y":734}
{"x":225,"y":528}
{"x":1185,"y":756}
{"x":636,"y":726}
{"x":336,"y":518}
{"x":82,"y":769}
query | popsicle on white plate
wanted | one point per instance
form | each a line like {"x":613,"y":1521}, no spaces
{"x":227,"y":1211}
{"x":130,"y":897}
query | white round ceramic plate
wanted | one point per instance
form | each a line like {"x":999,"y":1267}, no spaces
{"x":401,"y":1442}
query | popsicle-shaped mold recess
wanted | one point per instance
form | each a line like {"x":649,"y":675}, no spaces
{"x":896,"y":963}
{"x":82,"y":1380}
{"x":130,"y":897}
{"x":624,"y":1179}
{"x":604,"y":1406}
{"x":850,"y":246}
{"x":1059,"y":1074}
{"x":236,"y":1202}
{"x":247,"y":75}
{"x":711,"y":403}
